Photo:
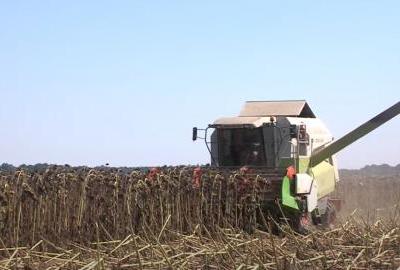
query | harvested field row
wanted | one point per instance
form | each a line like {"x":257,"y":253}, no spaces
{"x":352,"y":245}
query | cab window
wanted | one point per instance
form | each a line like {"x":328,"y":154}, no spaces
{"x":241,"y":146}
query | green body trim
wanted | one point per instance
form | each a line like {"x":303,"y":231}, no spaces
{"x":287,"y":198}
{"x":323,"y":173}
{"x":301,"y":164}
{"x":324,"y":177}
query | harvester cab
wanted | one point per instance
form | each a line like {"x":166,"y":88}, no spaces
{"x":276,"y":136}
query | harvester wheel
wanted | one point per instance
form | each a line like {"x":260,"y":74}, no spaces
{"x":304,"y":223}
{"x":329,"y":217}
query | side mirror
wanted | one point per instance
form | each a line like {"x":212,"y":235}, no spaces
{"x":194,"y":134}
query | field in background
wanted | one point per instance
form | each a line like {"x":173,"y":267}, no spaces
{"x":371,"y":193}
{"x":67,"y":218}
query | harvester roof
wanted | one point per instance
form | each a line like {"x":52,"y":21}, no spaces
{"x":255,"y":113}
{"x":294,"y":108}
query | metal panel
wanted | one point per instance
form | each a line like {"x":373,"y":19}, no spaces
{"x":214,"y":149}
{"x":241,"y":121}
{"x":270,"y":145}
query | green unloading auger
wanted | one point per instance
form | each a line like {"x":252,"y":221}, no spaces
{"x":332,"y":148}
{"x":324,"y":152}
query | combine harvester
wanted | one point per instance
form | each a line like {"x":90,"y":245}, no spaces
{"x":288,"y":145}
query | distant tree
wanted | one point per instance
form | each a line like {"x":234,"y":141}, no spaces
{"x":6,"y":167}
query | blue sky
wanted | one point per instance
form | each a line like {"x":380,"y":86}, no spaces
{"x":90,"y":82}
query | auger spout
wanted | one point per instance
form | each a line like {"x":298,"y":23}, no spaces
{"x":332,"y":148}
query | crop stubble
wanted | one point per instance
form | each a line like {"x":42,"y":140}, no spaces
{"x":65,"y":218}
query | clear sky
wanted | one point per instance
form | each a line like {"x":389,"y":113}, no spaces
{"x":123,"y":82}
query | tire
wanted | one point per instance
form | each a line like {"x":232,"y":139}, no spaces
{"x":329,"y":217}
{"x":303,"y":223}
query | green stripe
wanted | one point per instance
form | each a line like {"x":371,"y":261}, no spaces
{"x":287,"y":198}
